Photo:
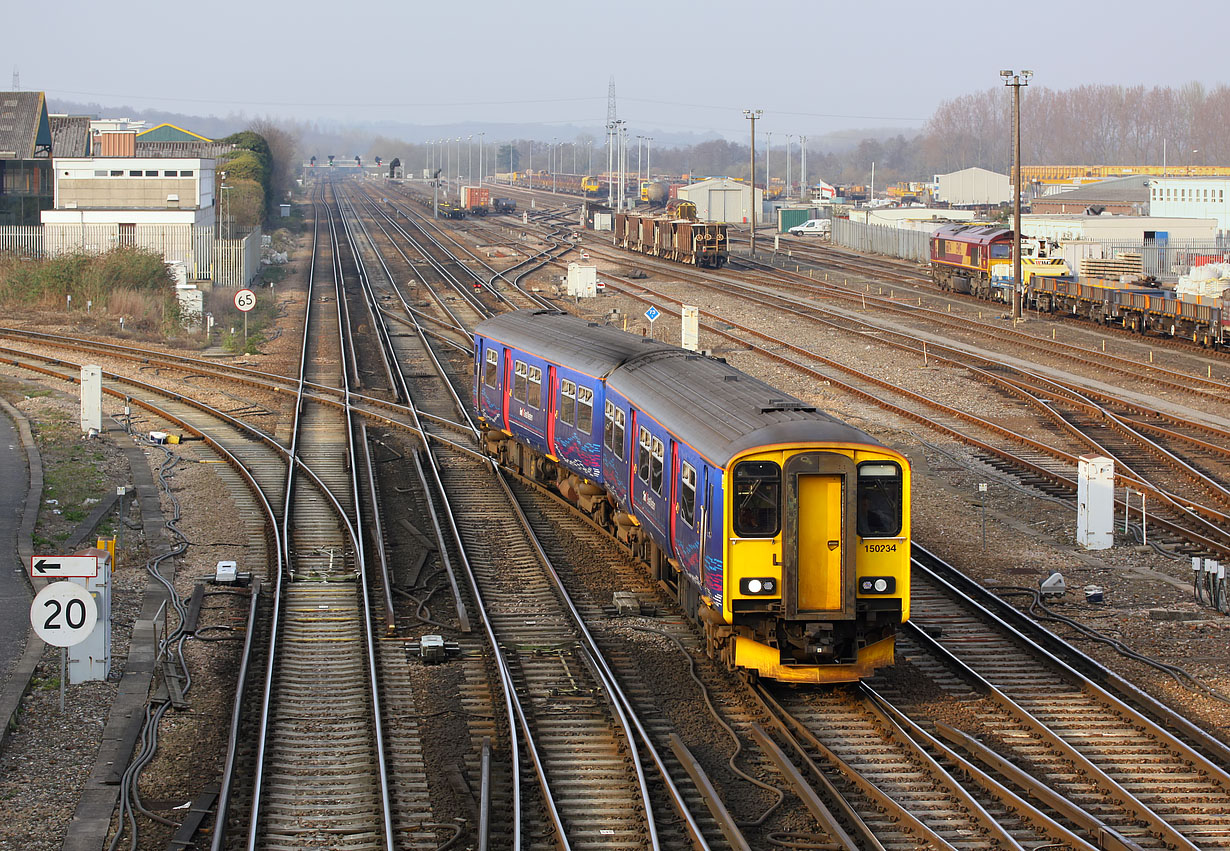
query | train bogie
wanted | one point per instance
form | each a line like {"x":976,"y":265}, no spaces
{"x":783,"y":533}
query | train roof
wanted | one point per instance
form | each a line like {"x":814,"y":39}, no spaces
{"x":719,"y":410}
{"x":569,"y":340}
{"x":978,"y":234}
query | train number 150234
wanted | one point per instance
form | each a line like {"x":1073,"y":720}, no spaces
{"x":880,"y":548}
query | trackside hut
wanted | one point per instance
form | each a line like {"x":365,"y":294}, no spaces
{"x":721,"y":199}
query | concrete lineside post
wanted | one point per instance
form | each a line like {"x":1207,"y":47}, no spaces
{"x":91,"y":399}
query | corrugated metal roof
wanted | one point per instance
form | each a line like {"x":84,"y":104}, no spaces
{"x":1116,"y":190}
{"x":70,"y":135}
{"x":206,"y":150}
{"x":170,"y":133}
{"x":718,"y":409}
{"x":24,"y":129}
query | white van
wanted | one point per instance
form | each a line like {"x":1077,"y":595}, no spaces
{"x":815,"y":227}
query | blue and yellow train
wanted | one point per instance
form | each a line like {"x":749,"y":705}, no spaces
{"x":783,"y":532}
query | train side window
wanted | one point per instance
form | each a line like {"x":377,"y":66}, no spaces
{"x":642,"y":456}
{"x":585,"y":409}
{"x":757,"y":502}
{"x":879,"y":499}
{"x":608,"y":427}
{"x":567,"y":402}
{"x":687,"y":493}
{"x":1001,"y":251}
{"x":656,"y":465}
{"x":491,"y":370}
{"x":619,"y":433}
{"x":520,"y":381}
{"x":535,"y":397}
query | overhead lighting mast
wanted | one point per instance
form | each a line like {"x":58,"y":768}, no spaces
{"x":1016,"y":81}
{"x":752,"y":115}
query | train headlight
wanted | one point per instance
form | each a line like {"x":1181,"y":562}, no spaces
{"x":763,"y":585}
{"x":877,"y":585}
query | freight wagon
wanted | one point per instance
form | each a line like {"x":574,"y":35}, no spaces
{"x":679,"y":240}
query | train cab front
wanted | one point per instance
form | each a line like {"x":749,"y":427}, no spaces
{"x":818,"y":558}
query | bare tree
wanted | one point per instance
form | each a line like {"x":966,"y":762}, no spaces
{"x":284,"y":151}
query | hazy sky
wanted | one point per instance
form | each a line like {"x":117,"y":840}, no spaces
{"x":812,"y":65}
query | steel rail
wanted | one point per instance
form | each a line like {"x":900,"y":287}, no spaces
{"x":343,"y":330}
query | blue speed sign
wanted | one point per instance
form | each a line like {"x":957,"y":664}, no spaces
{"x":652,"y":313}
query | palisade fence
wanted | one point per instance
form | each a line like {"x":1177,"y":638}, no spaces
{"x":1171,"y":257}
{"x":882,"y":239}
{"x":226,"y":262}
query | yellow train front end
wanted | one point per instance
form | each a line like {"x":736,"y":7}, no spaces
{"x":817,"y":555}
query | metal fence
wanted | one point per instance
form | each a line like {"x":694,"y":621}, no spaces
{"x":236,"y":261}
{"x":23,"y":241}
{"x":226,"y":262}
{"x":1173,"y":257}
{"x":882,"y":239}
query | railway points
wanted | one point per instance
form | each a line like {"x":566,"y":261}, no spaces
{"x":451,"y":730}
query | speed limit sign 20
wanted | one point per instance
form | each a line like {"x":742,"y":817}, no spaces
{"x":63,"y":614}
{"x":245,"y":300}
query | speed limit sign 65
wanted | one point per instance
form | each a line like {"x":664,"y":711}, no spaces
{"x":63,"y":614}
{"x":245,"y":300}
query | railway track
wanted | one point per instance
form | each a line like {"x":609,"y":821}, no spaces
{"x":1143,"y":772}
{"x":1053,"y":464}
{"x":571,"y":729}
{"x":566,"y":697}
{"x":321,"y":678}
{"x":877,"y":270}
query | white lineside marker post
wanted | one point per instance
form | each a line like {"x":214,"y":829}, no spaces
{"x":1144,"y":529}
{"x":982,"y":501}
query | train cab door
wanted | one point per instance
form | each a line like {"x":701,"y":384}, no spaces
{"x":818,"y":550}
{"x":552,"y":409}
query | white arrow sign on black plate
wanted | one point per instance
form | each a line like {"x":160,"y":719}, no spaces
{"x":58,"y":567}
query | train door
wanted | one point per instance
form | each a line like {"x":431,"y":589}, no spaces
{"x":508,"y":388}
{"x":552,"y":407}
{"x":480,"y":355}
{"x":710,"y":569}
{"x":630,"y":447}
{"x":686,"y":515}
{"x":819,"y":541}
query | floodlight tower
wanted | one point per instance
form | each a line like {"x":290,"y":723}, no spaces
{"x":1016,"y":81}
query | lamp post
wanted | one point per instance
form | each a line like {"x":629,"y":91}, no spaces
{"x":553,"y":165}
{"x":459,"y":163}
{"x":640,"y":140}
{"x":752,"y":115}
{"x":470,"y":158}
{"x":620,"y":136}
{"x":482,"y":144}
{"x":768,"y":149}
{"x":589,"y":151}
{"x":789,"y":136}
{"x":648,"y":139}
{"x":802,"y":164}
{"x":610,"y":155}
{"x":1016,"y":81}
